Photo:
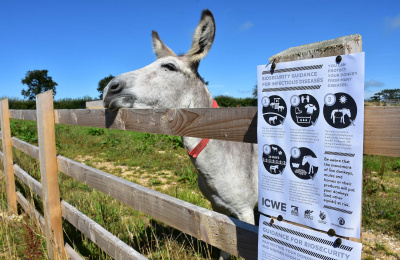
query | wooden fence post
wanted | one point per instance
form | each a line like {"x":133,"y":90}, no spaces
{"x":7,"y":159}
{"x":49,"y":175}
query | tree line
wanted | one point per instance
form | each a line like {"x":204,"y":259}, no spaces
{"x":386,"y":94}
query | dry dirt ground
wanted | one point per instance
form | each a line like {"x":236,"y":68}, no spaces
{"x":134,"y":174}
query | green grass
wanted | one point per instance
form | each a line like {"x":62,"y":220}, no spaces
{"x":381,"y":193}
{"x":161,"y":163}
{"x":19,"y":236}
{"x":156,"y":161}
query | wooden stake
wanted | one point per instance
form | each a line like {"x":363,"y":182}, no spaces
{"x":49,"y":175}
{"x":8,"y":160}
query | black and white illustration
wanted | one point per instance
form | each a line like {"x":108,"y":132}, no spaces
{"x":295,"y":211}
{"x":304,"y":163}
{"x":340,"y":110}
{"x":274,"y":158}
{"x":274,"y":110}
{"x":304,"y":110}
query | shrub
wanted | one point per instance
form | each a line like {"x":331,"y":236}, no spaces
{"x":65,"y":103}
{"x":227,"y":101}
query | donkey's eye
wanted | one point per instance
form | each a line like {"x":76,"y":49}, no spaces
{"x":169,"y":66}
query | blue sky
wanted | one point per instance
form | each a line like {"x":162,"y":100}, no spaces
{"x":81,"y":42}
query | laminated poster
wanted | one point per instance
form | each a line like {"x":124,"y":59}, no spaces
{"x":284,"y":241}
{"x":310,"y":142}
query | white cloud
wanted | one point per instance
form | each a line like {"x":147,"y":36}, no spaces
{"x":246,"y":26}
{"x":373,"y":83}
{"x":393,"y":22}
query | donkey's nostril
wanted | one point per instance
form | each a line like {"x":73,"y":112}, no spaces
{"x":116,"y":86}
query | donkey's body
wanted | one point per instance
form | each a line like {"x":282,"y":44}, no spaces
{"x":227,"y":171}
{"x":228,"y":176}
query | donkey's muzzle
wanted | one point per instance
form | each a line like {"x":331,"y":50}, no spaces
{"x":114,"y":97}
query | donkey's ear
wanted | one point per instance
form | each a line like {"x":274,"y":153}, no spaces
{"x":159,"y":47}
{"x":203,"y":37}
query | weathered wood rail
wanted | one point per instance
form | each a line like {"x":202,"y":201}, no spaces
{"x":381,"y":124}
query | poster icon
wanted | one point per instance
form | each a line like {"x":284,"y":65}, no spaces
{"x":295,"y":211}
{"x":340,"y":110}
{"x":304,"y":163}
{"x":308,"y":214}
{"x":304,"y":110}
{"x":274,"y":110}
{"x":274,"y":159}
{"x":322,"y":216}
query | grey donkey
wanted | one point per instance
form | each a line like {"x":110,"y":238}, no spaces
{"x":227,"y":171}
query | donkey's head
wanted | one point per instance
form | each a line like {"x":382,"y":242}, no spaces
{"x":170,"y":81}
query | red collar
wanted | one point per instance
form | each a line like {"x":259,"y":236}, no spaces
{"x":203,"y":143}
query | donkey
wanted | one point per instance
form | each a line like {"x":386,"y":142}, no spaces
{"x":227,"y":171}
{"x":342,"y":113}
{"x":312,"y":161}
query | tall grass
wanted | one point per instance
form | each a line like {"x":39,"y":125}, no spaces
{"x":20,"y":237}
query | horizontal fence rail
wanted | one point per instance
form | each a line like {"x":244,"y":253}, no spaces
{"x":381,"y":125}
{"x":231,"y":235}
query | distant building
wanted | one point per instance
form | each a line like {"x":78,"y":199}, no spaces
{"x":94,"y":104}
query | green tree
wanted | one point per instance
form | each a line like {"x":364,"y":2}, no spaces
{"x":255,"y":92}
{"x":103,"y":83}
{"x":375,"y":98}
{"x":37,"y":81}
{"x":388,"y":94}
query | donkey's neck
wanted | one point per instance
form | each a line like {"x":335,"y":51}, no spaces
{"x":202,"y":99}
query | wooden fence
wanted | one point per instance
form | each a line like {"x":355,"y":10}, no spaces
{"x":381,"y":137}
{"x":229,"y":234}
